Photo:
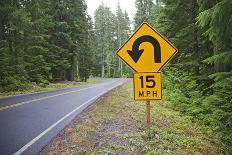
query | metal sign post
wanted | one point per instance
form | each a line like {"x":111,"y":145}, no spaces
{"x":148,"y":114}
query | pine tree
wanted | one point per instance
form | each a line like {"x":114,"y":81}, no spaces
{"x":84,"y":47}
{"x":122,"y":24}
{"x":106,"y":43}
{"x":35,"y":41}
{"x":14,"y":22}
{"x":60,"y":41}
{"x":215,"y":18}
{"x":143,"y":11}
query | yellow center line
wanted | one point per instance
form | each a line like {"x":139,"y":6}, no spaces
{"x":43,"y":98}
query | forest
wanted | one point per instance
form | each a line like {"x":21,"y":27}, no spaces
{"x":45,"y":41}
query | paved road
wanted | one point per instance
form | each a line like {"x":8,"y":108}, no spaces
{"x":29,"y":122}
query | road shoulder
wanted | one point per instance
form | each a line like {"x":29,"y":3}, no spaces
{"x":116,"y":125}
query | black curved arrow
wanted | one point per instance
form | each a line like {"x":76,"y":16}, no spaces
{"x":135,"y":53}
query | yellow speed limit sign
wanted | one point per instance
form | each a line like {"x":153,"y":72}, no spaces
{"x":147,"y":86}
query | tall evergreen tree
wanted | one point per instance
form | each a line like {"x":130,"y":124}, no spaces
{"x":77,"y":23}
{"x":84,"y":45}
{"x":60,"y":41}
{"x":14,"y":22}
{"x":105,"y":30}
{"x":36,"y":41}
{"x":122,"y":23}
{"x":215,"y":19}
{"x":143,"y":11}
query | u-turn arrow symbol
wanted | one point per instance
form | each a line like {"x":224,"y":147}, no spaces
{"x":135,"y":53}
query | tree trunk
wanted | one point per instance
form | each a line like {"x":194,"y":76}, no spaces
{"x":218,"y":67}
{"x":71,"y":73}
{"x":195,"y":38}
{"x":103,"y":63}
{"x":103,"y":70}
{"x":108,"y":70}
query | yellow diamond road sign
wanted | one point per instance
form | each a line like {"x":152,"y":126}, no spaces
{"x":146,"y":50}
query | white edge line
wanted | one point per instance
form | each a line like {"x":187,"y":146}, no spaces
{"x":41,"y":92}
{"x":25,"y":147}
{"x":43,"y":98}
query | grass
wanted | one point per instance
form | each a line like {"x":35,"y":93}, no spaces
{"x":116,"y":125}
{"x":49,"y":87}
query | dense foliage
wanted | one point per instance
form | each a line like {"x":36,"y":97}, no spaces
{"x":198,"y":81}
{"x":43,"y":41}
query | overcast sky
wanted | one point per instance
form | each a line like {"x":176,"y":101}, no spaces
{"x":127,"y":5}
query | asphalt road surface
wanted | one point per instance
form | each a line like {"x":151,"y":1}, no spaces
{"x":29,"y":122}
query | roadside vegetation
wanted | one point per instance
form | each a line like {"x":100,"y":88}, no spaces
{"x":198,"y":81}
{"x":34,"y":88}
{"x":116,"y":125}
